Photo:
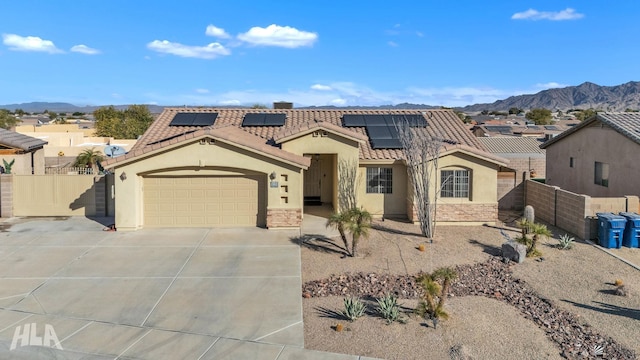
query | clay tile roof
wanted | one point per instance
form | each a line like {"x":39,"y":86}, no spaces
{"x":512,"y":145}
{"x":315,"y":124}
{"x":226,"y":134}
{"x":442,"y":123}
{"x":16,"y":140}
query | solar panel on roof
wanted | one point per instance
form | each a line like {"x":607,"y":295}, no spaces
{"x":380,"y":132}
{"x":263,"y":119}
{"x":385,"y":144}
{"x":551,"y":127}
{"x":183,"y":119}
{"x":351,"y":120}
{"x":375,"y":120}
{"x":274,"y":119}
{"x":204,"y":119}
{"x":193,"y":119}
{"x":500,"y":129}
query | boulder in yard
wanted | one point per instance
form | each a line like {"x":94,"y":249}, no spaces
{"x":514,"y":251}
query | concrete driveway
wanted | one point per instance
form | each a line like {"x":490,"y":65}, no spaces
{"x":150,"y":294}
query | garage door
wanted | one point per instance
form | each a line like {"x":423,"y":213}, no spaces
{"x":201,"y":201}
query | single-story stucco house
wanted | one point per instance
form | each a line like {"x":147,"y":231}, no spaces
{"x":207,"y":167}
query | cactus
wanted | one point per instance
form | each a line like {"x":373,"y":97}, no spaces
{"x":8,"y":165}
{"x":529,"y":214}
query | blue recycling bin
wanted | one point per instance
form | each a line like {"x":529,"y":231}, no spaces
{"x":610,"y":230}
{"x":631,"y":236}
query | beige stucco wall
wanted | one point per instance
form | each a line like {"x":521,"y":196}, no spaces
{"x":392,"y":205}
{"x":62,"y":195}
{"x":484,"y":177}
{"x":56,"y":128}
{"x":342,"y":148}
{"x":587,"y":146}
{"x":22,"y":166}
{"x":202,"y":160}
{"x":74,"y":142}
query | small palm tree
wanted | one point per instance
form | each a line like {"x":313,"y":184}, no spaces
{"x":538,"y":231}
{"x":447,"y":275}
{"x":89,"y":158}
{"x":358,"y":225}
{"x":338,"y":221}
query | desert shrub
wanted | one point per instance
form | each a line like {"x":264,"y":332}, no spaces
{"x":389,"y":309}
{"x":566,"y":242}
{"x":353,"y":308}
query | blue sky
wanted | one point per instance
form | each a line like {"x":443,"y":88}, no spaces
{"x":342,"y":53}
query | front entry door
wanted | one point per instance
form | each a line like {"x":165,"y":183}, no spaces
{"x":313,"y":179}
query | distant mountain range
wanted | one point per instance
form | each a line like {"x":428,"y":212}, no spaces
{"x":66,"y":107}
{"x":584,"y":96}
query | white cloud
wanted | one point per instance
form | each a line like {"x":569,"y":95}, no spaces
{"x":550,"y":85}
{"x":230,"y":102}
{"x":210,"y":51}
{"x":321,"y":87}
{"x":392,"y":44}
{"x":275,"y":35}
{"x":202,"y":91}
{"x":347,"y":94}
{"x":532,"y":14}
{"x":217,"y":32}
{"x":84,"y":49}
{"x":29,"y":43}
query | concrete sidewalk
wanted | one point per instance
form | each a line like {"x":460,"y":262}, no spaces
{"x":150,"y":294}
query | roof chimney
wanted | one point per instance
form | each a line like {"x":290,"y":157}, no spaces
{"x":282,"y":105}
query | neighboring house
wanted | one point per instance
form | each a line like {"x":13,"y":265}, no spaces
{"x":252,"y":167}
{"x":525,"y":160}
{"x":67,"y":141}
{"x":600,"y":157}
{"x":27,"y":152}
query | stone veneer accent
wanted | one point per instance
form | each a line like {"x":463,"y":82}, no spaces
{"x":470,"y":212}
{"x":6,"y":195}
{"x":467,"y":213}
{"x":284,"y":218}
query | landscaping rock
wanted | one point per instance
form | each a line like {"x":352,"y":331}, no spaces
{"x":492,"y":279}
{"x":514,"y":251}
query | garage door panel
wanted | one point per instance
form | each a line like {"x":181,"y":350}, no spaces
{"x":201,"y":201}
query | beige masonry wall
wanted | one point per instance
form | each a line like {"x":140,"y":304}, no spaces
{"x":570,"y":211}
{"x":61,"y":195}
{"x":206,"y":159}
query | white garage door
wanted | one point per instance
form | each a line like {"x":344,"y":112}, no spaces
{"x":201,"y":201}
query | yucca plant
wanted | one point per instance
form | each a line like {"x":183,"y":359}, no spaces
{"x":389,"y":308}
{"x":436,"y":287}
{"x":353,"y":308}
{"x":566,"y":242}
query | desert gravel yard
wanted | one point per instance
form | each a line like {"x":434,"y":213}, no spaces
{"x":579,"y":280}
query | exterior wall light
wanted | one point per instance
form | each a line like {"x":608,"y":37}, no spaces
{"x":273,"y":175}
{"x":123,"y":176}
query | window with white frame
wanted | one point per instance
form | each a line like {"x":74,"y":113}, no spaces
{"x":379,"y":180}
{"x":601,"y":174}
{"x":454,"y":183}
